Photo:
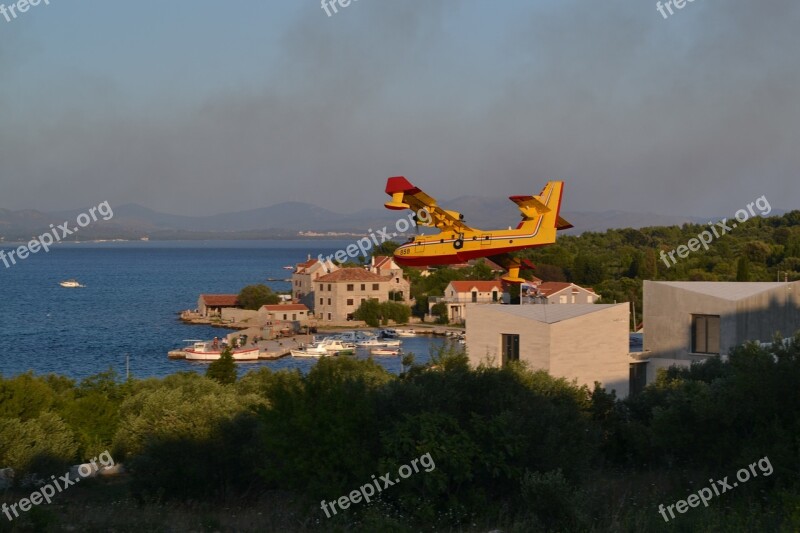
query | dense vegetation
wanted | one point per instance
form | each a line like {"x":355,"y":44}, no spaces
{"x":513,"y":448}
{"x":253,"y":297}
{"x":377,"y":314}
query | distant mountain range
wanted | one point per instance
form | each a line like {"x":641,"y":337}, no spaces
{"x":291,"y":220}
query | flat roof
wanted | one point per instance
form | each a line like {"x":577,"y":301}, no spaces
{"x":549,"y":313}
{"x":726,"y":290}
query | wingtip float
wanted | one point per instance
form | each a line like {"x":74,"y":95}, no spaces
{"x":458,"y":243}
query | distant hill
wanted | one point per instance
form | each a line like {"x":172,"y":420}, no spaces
{"x":288,"y":219}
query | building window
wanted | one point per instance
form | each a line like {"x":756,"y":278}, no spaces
{"x":638,"y":377}
{"x":510,"y":348}
{"x":284,"y":316}
{"x":363,"y":286}
{"x":349,"y":301}
{"x":562,"y":299}
{"x":321,"y":301}
{"x":329,"y":286}
{"x":705,"y":334}
{"x":329,"y":316}
{"x":494,"y":296}
{"x":321,"y":287}
{"x":376,"y":287}
{"x":351,"y":287}
{"x":294,"y":316}
{"x":474,"y":296}
{"x":329,"y":301}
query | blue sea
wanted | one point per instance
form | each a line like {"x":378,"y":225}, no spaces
{"x":129,"y":307}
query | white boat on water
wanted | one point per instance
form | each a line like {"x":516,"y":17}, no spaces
{"x":288,"y":267}
{"x":386,"y":351}
{"x":206,"y":351}
{"x":325,"y":348}
{"x":405,"y":333}
{"x":70,"y":284}
{"x":378,"y":343}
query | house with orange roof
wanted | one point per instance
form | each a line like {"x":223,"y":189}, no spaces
{"x":458,"y":294}
{"x":304,"y":276}
{"x":212,"y":304}
{"x":385,"y":265}
{"x":340,"y":293}
{"x":557,"y":292}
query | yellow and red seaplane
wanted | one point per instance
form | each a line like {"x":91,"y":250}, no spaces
{"x":458,"y":243}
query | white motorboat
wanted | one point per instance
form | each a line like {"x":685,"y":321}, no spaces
{"x":288,"y":267}
{"x":329,"y":346}
{"x":385,"y":351}
{"x":405,"y":333}
{"x":378,"y":343}
{"x":70,"y":284}
{"x":206,"y":351}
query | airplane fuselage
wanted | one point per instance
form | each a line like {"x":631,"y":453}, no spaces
{"x":450,"y":247}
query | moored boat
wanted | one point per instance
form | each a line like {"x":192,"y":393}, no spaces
{"x":70,"y":284}
{"x":386,"y":351}
{"x":206,"y":351}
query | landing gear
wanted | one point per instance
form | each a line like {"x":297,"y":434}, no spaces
{"x":458,"y":243}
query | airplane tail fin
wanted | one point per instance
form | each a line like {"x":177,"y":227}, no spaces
{"x":546,"y":204}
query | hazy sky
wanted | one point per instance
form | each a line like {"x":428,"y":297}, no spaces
{"x":206,"y":107}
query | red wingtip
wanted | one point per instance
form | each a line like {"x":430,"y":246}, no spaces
{"x":399,"y":184}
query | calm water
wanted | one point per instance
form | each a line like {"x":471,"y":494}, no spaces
{"x":130,"y":304}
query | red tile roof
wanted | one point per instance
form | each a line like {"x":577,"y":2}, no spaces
{"x":379,"y":261}
{"x":285,"y":307}
{"x":482,"y":286}
{"x":549,"y":288}
{"x":306,"y":264}
{"x":220,"y":300}
{"x":352,"y":274}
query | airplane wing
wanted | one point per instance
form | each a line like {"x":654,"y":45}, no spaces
{"x":508,"y":262}
{"x":406,"y":196}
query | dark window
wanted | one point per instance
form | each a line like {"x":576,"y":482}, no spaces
{"x":375,"y":287}
{"x":329,"y":316}
{"x":321,"y":287}
{"x":349,"y":301}
{"x":351,"y":287}
{"x":329,"y":301}
{"x":294,"y":316}
{"x":638,"y":377}
{"x":329,"y":286}
{"x":494,"y":296}
{"x":363,"y":286}
{"x":705,"y":334}
{"x":284,"y":316}
{"x":510,"y":348}
{"x":474,"y":296}
{"x":321,"y":301}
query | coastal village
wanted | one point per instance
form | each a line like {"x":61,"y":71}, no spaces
{"x":559,"y":327}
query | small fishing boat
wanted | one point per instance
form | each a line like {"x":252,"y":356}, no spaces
{"x":385,"y":351}
{"x":71,"y":284}
{"x":207,"y":351}
{"x":378,"y":343}
{"x":325,"y":348}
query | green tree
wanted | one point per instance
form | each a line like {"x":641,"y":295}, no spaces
{"x":223,"y":370}
{"x":439,"y":310}
{"x":254,"y":296}
{"x":370,"y":312}
{"x":743,"y":269}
